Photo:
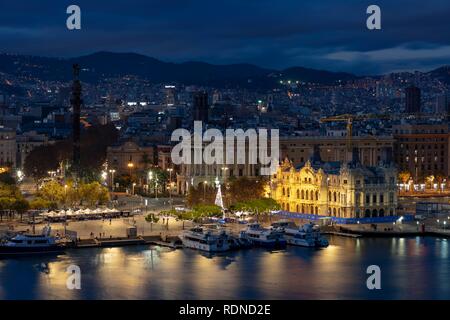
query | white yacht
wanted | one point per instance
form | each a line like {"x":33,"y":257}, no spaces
{"x":307,"y":235}
{"x":260,"y":236}
{"x":206,"y":240}
{"x":31,"y":244}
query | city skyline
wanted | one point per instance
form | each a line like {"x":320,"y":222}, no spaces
{"x":239,"y":150}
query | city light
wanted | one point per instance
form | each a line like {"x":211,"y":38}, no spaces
{"x":208,"y":162}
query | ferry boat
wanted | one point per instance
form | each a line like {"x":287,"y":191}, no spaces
{"x":206,"y":240}
{"x":308,"y":235}
{"x":260,"y":236}
{"x":22,"y":244}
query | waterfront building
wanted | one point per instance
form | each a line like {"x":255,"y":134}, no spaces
{"x":422,"y":149}
{"x":338,"y":189}
{"x":334,"y":148}
{"x":129,"y":157}
{"x":190,"y":174}
{"x":196,"y":174}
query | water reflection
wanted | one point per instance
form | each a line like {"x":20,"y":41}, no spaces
{"x":412,"y":268}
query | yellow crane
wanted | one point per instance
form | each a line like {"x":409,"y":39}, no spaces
{"x":349,"y":119}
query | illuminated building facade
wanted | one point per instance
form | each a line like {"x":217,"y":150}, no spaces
{"x":334,"y":148}
{"x":345,"y":190}
{"x":422,"y":150}
{"x":130,"y":158}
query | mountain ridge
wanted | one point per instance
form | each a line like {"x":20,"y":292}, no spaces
{"x":101,"y":64}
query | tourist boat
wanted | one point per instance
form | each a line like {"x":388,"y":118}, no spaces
{"x":308,"y":235}
{"x":23,"y":244}
{"x":260,"y":236}
{"x":206,"y":239}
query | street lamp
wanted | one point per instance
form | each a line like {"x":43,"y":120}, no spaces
{"x":104,"y":176}
{"x":204,"y":190}
{"x":65,"y":211}
{"x":150,"y":178}
{"x":224,"y":174}
{"x":130,"y":166}
{"x":170,"y":185}
{"x":112,"y":171}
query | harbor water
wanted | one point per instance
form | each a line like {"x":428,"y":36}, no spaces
{"x":411,"y":268}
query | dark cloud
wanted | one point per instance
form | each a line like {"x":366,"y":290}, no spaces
{"x":326,"y":34}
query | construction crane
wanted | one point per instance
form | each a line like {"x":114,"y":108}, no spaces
{"x":349,"y":119}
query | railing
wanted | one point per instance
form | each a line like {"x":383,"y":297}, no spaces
{"x":308,"y":216}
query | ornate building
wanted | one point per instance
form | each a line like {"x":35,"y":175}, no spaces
{"x":345,"y":190}
{"x":130,"y":157}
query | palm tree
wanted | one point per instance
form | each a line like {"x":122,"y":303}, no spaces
{"x":430,"y":180}
{"x":440,"y":178}
{"x":404,"y":177}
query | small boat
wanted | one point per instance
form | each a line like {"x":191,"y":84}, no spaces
{"x":24,"y":244}
{"x":206,"y":239}
{"x":308,"y":235}
{"x":259,"y":236}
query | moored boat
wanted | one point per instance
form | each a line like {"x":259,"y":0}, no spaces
{"x":25,"y":244}
{"x":259,"y":236}
{"x":308,"y":235}
{"x":206,"y":239}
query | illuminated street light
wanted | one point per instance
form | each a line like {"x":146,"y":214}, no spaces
{"x":20,"y":175}
{"x":170,"y":185}
{"x":204,"y":190}
{"x":112,"y":171}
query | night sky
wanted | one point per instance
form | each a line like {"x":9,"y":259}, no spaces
{"x":325,"y":34}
